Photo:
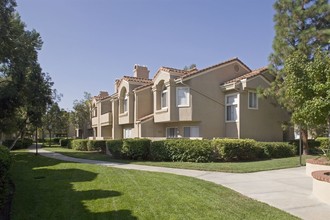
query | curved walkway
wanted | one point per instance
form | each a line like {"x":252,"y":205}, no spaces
{"x":287,"y":189}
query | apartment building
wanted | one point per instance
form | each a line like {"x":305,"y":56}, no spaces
{"x":215,"y":102}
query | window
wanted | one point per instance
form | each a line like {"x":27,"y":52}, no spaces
{"x":231,"y":107}
{"x":125,"y":104}
{"x":163,"y":98}
{"x":191,"y":131}
{"x":182,"y":96}
{"x":171,"y":132}
{"x":94,"y":114}
{"x":127,"y":132}
{"x":253,"y":100}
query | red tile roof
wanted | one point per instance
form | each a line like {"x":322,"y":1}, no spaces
{"x":174,"y":70}
{"x":136,"y":79}
{"x":248,"y":75}
{"x":214,"y":66}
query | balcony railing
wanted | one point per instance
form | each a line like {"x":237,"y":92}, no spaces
{"x":106,"y":119}
{"x":94,"y":121}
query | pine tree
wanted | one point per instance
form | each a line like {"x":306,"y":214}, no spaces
{"x":300,"y":25}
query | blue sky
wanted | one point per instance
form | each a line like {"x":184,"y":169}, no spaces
{"x":90,"y":43}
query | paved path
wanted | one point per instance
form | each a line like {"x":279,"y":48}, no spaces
{"x":286,"y":189}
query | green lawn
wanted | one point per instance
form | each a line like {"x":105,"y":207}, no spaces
{"x":236,"y":167}
{"x":52,"y":189}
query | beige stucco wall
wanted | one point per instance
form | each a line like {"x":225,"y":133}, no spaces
{"x":264,"y":123}
{"x":143,"y":103}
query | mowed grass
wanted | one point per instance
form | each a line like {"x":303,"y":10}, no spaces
{"x":52,"y":189}
{"x":231,"y":167}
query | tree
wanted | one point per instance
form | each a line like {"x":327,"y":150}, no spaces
{"x":300,"y":25}
{"x":25,"y":90}
{"x":191,"y":66}
{"x":82,"y":114}
{"x":308,"y":85}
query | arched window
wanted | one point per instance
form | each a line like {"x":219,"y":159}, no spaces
{"x":163,"y":97}
{"x":123,"y":100}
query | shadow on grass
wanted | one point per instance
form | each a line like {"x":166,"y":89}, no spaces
{"x":45,"y":191}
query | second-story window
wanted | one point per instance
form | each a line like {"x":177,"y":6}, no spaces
{"x":125,"y":103}
{"x":182,"y":96}
{"x":163,"y":98}
{"x":253,"y":100}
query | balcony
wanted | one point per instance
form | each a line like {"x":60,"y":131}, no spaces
{"x":94,"y":121}
{"x":106,"y":119}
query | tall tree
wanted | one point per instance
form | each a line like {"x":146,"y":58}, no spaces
{"x":25,"y":90}
{"x":300,"y":25}
{"x":82,"y":114}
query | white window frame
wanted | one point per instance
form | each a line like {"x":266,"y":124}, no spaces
{"x":127,"y":133}
{"x":176,"y":132}
{"x":256,"y":102}
{"x":234,"y":104}
{"x":187,"y":104}
{"x":190,"y":129}
{"x":163,"y":98}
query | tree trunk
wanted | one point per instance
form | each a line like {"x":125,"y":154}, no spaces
{"x":304,"y":139}
{"x":18,"y":136}
{"x":50,"y":138}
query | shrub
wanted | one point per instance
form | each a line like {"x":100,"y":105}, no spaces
{"x":79,"y":144}
{"x":114,"y":147}
{"x":324,"y":144}
{"x":135,"y":149}
{"x":238,"y":149}
{"x":64,"y":142}
{"x":20,"y":144}
{"x":314,"y":146}
{"x":181,"y":150}
{"x":159,"y":151}
{"x":96,"y":145}
{"x":277,"y":149}
{"x":5,"y":162}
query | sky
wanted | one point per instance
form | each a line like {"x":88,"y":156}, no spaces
{"x":88,"y":44}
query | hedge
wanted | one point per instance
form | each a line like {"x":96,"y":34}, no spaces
{"x":277,"y":149}
{"x":114,"y":147}
{"x":65,"y":142}
{"x":238,"y":149}
{"x":5,"y":162}
{"x":313,"y":145}
{"x":96,"y":145}
{"x":79,"y":144}
{"x":20,"y":144}
{"x":135,"y":149}
{"x":184,"y":150}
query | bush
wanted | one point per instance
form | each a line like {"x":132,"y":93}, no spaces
{"x":182,"y":150}
{"x":159,"y":151}
{"x":5,"y":162}
{"x":135,"y":149}
{"x":277,"y":149}
{"x":238,"y":149}
{"x":324,"y":144}
{"x":96,"y":145}
{"x":20,"y":144}
{"x":65,"y":142}
{"x":79,"y":144}
{"x":314,"y":146}
{"x":114,"y":147}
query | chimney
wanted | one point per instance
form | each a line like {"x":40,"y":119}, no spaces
{"x":141,"y":71}
{"x":103,"y":94}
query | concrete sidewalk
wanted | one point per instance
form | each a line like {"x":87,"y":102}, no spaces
{"x":287,"y":189}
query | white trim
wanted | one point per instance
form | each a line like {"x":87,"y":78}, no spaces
{"x":237,"y":107}
{"x":257,"y":100}
{"x":188,"y":96}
